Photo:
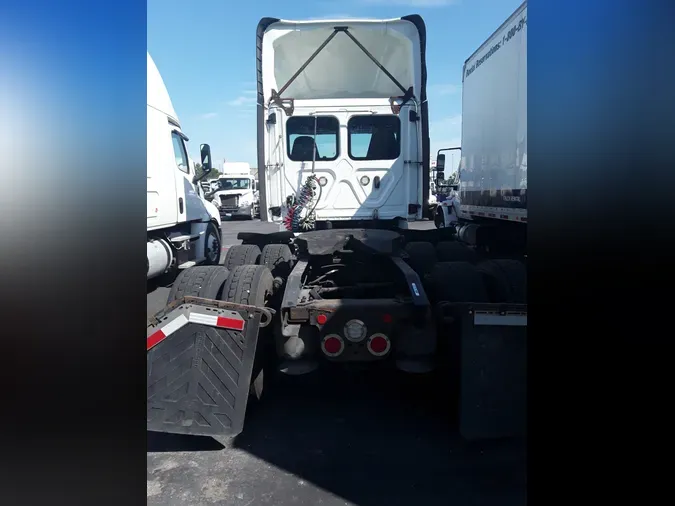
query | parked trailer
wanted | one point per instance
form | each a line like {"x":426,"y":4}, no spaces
{"x":492,"y":201}
{"x":343,"y":157}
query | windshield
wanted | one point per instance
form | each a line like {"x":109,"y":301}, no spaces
{"x":234,"y":183}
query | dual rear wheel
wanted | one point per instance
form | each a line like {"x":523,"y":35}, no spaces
{"x":453,"y":272}
{"x":245,"y":284}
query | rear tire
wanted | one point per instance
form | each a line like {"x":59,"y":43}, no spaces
{"x":253,"y":285}
{"x":278,"y":259}
{"x":248,"y":284}
{"x":458,"y":282}
{"x":421,"y":257}
{"x":453,"y":251}
{"x":506,"y":280}
{"x":200,"y":281}
{"x":242,"y":254}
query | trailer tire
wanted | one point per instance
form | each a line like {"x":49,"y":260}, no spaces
{"x":421,"y":257}
{"x":506,"y":280}
{"x":205,"y":281}
{"x":241,"y":254}
{"x":453,"y":251}
{"x":253,"y":285}
{"x":278,"y":259}
{"x":458,"y":282}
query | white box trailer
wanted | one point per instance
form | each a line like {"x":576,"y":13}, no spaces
{"x":493,"y":166}
{"x":493,"y":180}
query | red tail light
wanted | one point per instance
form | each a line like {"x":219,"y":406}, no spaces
{"x":379,"y":345}
{"x":332,"y":345}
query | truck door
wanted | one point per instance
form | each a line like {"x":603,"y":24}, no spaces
{"x":373,"y":178}
{"x":190,"y":205}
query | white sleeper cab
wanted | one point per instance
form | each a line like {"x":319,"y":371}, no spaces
{"x":183,"y":228}
{"x":348,"y":145}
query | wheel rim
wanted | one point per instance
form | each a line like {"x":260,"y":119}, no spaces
{"x":212,"y":245}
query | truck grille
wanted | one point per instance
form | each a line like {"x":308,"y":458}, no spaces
{"x":229,"y":200}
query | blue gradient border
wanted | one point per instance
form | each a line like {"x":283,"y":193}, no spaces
{"x":72,"y":110}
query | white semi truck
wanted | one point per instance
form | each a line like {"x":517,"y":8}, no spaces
{"x":236,"y":193}
{"x":343,"y":160}
{"x":183,"y":228}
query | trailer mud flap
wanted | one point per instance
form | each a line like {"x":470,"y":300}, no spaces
{"x":493,"y":386}
{"x":200,"y":357}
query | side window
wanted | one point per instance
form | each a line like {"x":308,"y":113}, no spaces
{"x":300,"y":138}
{"x":179,"y":153}
{"x":374,"y":137}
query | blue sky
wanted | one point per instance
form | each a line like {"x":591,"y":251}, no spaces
{"x":205,"y":51}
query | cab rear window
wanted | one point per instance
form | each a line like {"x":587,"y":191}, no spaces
{"x":300,"y":138}
{"x":374,"y":137}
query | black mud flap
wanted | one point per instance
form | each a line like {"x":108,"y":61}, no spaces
{"x":493,"y":362}
{"x":200,"y":357}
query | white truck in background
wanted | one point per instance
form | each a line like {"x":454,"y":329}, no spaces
{"x":206,"y":186}
{"x":236,"y":193}
{"x":183,"y":229}
{"x":491,"y":207}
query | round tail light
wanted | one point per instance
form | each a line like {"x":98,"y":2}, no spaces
{"x":332,"y":345}
{"x":379,"y":345}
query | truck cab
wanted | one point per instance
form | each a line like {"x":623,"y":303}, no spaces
{"x":183,"y":229}
{"x":236,"y":191}
{"x":338,"y":148}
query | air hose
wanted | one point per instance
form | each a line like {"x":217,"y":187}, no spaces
{"x":294,"y":221}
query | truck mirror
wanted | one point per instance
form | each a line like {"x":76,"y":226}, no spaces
{"x":440,"y":176}
{"x":440,"y":164}
{"x":205,"y":151}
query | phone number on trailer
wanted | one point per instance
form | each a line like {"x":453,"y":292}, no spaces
{"x":513,"y":31}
